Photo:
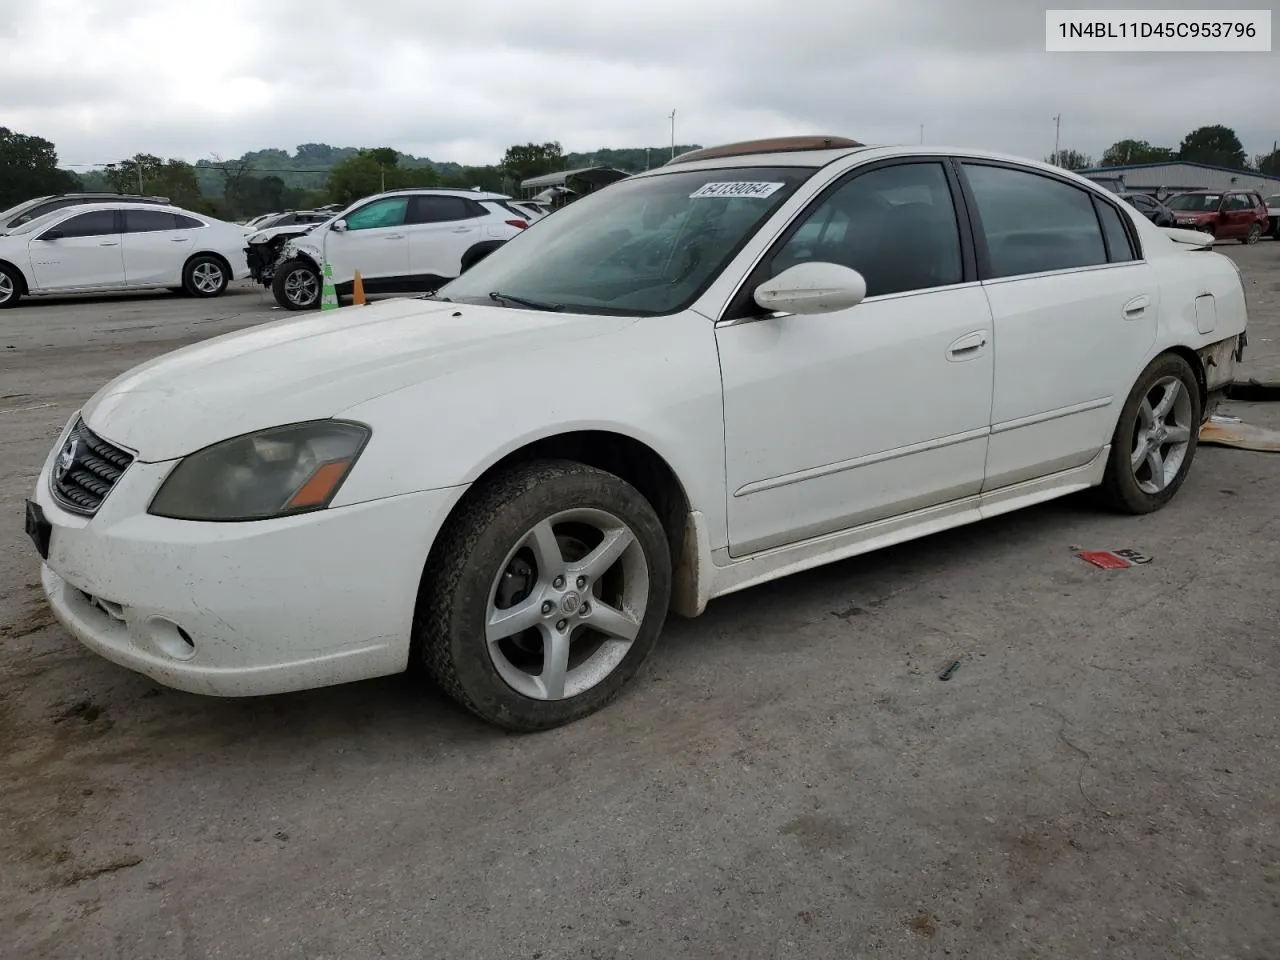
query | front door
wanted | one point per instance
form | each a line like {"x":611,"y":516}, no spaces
{"x":1075,"y":315}
{"x":81,"y":251}
{"x":842,"y":419}
{"x":376,"y":241}
{"x":1237,"y":216}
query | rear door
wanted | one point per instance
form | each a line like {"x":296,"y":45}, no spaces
{"x":1074,"y":308}
{"x":443,"y":228}
{"x":154,"y":248}
{"x":81,"y":251}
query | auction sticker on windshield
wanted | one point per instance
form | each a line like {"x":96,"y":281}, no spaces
{"x":737,"y":188}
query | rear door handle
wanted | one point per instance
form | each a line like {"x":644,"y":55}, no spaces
{"x":1136,"y":307}
{"x":395,"y":236}
{"x":461,"y":230}
{"x":179,"y":239}
{"x":109,"y":243}
{"x":968,"y":346}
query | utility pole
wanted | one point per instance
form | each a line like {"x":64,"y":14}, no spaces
{"x":646,"y":157}
{"x":922,"y":133}
{"x":138,"y":162}
{"x":1057,"y":131}
{"x":673,"y":133}
{"x":383,"y":172}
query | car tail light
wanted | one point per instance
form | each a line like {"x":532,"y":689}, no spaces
{"x":518,"y":224}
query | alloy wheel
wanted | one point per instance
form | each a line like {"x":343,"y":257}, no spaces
{"x":1161,"y":435}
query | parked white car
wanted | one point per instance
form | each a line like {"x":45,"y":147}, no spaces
{"x":120,"y":246}
{"x":702,"y":378}
{"x":401,"y":241}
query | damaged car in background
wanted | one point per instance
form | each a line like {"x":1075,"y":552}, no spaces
{"x":653,"y":398}
{"x":270,"y":235}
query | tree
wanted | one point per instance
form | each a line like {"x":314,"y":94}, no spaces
{"x":1070,"y":160}
{"x":532,"y":160}
{"x":29,"y":168}
{"x":372,"y":171}
{"x":1124,"y":152}
{"x":1268,"y":163}
{"x":1216,"y":145}
{"x":135,"y":175}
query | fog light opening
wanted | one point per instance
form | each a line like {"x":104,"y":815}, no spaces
{"x":171,"y":639}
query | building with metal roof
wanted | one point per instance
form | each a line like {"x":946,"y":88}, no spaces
{"x":1179,"y":176}
{"x":581,"y":180}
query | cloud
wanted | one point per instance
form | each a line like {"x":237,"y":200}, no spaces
{"x":104,"y":81}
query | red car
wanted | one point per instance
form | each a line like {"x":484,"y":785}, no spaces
{"x":1227,"y":214}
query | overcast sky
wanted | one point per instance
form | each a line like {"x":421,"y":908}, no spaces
{"x":104,"y":79}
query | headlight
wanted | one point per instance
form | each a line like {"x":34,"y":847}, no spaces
{"x":258,"y":238}
{"x":271,"y":473}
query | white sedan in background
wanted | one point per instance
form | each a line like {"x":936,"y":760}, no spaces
{"x":704,"y":377}
{"x":105,"y":247}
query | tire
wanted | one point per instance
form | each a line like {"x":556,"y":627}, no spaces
{"x":485,"y":561}
{"x":297,"y":285}
{"x":11,"y":288}
{"x":205,"y":276}
{"x":1138,"y":490}
{"x":1255,"y":233}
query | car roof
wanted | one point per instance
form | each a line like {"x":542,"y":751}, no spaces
{"x":131,"y":205}
{"x":446,"y":192}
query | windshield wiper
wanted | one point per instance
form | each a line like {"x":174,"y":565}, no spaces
{"x":498,"y":297}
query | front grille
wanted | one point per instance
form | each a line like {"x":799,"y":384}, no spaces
{"x":86,"y":469}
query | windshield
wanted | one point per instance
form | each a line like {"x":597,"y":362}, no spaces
{"x":1198,"y":202}
{"x":7,"y":215}
{"x":38,"y":223}
{"x":639,"y":247}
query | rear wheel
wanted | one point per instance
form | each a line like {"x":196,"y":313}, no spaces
{"x":10,"y":288}
{"x":296,"y":285}
{"x":544,"y":595}
{"x":1155,"y":438}
{"x":205,"y":276}
{"x":1255,"y":233}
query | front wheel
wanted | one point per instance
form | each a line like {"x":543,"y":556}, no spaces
{"x":296,"y":285}
{"x":10,"y":288}
{"x":1155,"y":438}
{"x":544,"y":595}
{"x":1255,"y":233}
{"x":205,"y":276}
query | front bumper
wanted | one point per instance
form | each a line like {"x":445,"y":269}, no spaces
{"x":261,"y":258}
{"x":240,"y":609}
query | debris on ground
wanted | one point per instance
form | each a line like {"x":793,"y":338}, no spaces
{"x":1231,"y":432}
{"x":949,"y":670}
{"x":1107,"y":560}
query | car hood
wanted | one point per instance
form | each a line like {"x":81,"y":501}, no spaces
{"x":314,"y":367}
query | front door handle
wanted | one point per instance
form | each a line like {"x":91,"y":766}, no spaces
{"x":179,"y":239}
{"x":968,"y":346}
{"x":395,"y":236}
{"x":109,"y":243}
{"x":1136,"y":307}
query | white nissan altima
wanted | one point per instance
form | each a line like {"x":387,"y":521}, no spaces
{"x":751,"y":361}
{"x":103,"y":247}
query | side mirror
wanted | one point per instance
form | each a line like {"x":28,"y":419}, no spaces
{"x":340,"y":226}
{"x":52,"y":235}
{"x":812,"y":288}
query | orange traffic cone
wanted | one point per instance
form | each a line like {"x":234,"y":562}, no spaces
{"x":357,"y":291}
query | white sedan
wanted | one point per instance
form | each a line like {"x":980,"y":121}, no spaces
{"x":105,"y":247}
{"x":698,"y":379}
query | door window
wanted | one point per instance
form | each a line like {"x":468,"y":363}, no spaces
{"x":389,"y":212}
{"x":895,"y":225}
{"x":1119,"y":244}
{"x":1238,"y":201}
{"x":98,"y":223}
{"x":429,"y":209}
{"x":1033,"y":223}
{"x":148,"y":221}
{"x":186,"y":223}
